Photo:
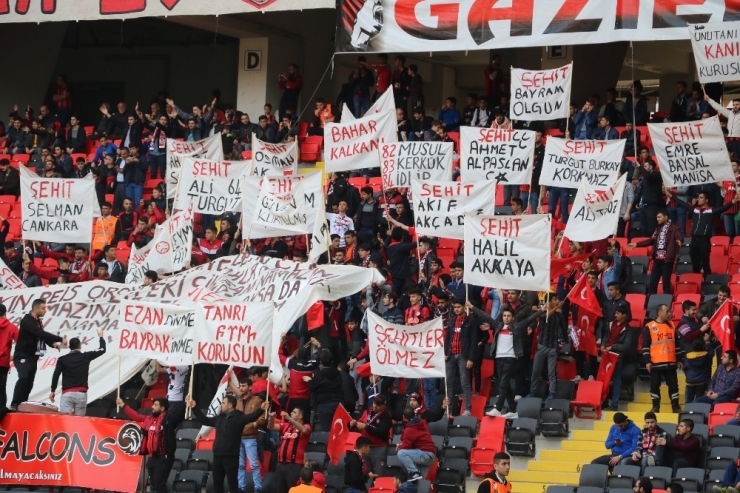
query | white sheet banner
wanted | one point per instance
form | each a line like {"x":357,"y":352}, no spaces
{"x":509,"y":252}
{"x":8,"y":279}
{"x":440,"y":206}
{"x":211,"y":187}
{"x":256,"y":219}
{"x":57,"y":209}
{"x":691,"y":153}
{"x":595,"y":214}
{"x":354,"y":145}
{"x":505,"y":156}
{"x":214,"y":409}
{"x":168,"y":251}
{"x":274,"y":159}
{"x":320,"y":237}
{"x":384,"y":103}
{"x":538,"y":95}
{"x":716,"y":51}
{"x":406,"y":351}
{"x":281,"y":204}
{"x":210,"y":148}
{"x":238,"y":334}
{"x":403,"y":161}
{"x":567,"y":162}
{"x":157,"y":331}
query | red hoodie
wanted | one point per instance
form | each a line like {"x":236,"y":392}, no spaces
{"x":8,"y":335}
{"x":416,"y":436}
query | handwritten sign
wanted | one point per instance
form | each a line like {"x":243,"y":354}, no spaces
{"x":691,"y":153}
{"x":567,"y":162}
{"x":503,"y":155}
{"x":354,"y":145}
{"x":157,"y":331}
{"x":238,"y":334}
{"x":716,"y":51}
{"x":538,"y":95}
{"x":320,"y":236}
{"x":57,"y":209}
{"x":168,"y":251}
{"x":403,"y":161}
{"x":403,"y":351}
{"x":210,"y":148}
{"x":211,"y":187}
{"x":384,"y":103}
{"x":509,"y":252}
{"x":440,"y":206}
{"x":274,"y":159}
{"x":8,"y":279}
{"x":595,"y":213}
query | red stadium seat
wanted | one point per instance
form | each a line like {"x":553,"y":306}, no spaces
{"x":686,"y":288}
{"x":587,"y":403}
{"x":636,"y":300}
{"x":310,"y":152}
{"x":481,"y":459}
{"x":723,"y":241}
{"x":691,"y":277}
{"x":719,"y":263}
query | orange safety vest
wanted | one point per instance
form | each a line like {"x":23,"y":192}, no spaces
{"x":325,"y":114}
{"x":104,"y":232}
{"x":662,"y":343}
{"x":497,"y":487}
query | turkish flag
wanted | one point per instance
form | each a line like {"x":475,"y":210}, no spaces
{"x":583,"y":295}
{"x":583,"y":335}
{"x":339,"y":432}
{"x":606,"y":370}
{"x":563,"y":266}
{"x":723,"y":326}
{"x":315,"y":315}
{"x":363,"y":370}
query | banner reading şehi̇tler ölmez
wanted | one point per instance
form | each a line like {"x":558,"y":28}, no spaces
{"x":210,"y":148}
{"x":274,"y":159}
{"x":440,"y":206}
{"x":567,"y":162}
{"x":354,"y":145}
{"x":406,"y":351}
{"x":400,"y":162}
{"x":503,"y":155}
{"x":57,"y":209}
{"x":156,"y":331}
{"x":512,"y":252}
{"x":691,"y":153}
{"x":238,"y":334}
{"x":595,"y":214}
{"x":210,"y":187}
{"x":716,"y":51}
{"x":538,"y":95}
{"x":60,"y":450}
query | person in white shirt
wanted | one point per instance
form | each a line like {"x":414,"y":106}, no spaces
{"x":177,"y":377}
{"x":340,"y":222}
{"x":733,"y":123}
{"x":482,"y":115}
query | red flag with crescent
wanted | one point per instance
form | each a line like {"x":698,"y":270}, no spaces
{"x":583,"y":295}
{"x":723,"y":326}
{"x":564,"y":266}
{"x":338,"y":435}
{"x":606,"y":371}
{"x":584,"y":329}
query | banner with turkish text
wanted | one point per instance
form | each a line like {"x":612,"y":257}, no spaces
{"x":273,"y":159}
{"x":691,"y":153}
{"x":404,"y":161}
{"x":210,"y":187}
{"x":440,"y":206}
{"x":157,"y":331}
{"x":8,"y":279}
{"x":509,"y":252}
{"x":503,"y":155}
{"x":354,"y":145}
{"x":538,"y":95}
{"x":716,"y":50}
{"x":568,"y":162}
{"x":319,"y":237}
{"x":210,"y":148}
{"x":384,"y":103}
{"x":595,"y":213}
{"x":406,"y":351}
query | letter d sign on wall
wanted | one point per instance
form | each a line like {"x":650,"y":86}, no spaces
{"x":253,"y":60}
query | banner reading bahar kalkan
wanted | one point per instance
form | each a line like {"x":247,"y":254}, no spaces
{"x":354,"y":145}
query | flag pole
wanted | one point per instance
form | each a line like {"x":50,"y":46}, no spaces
{"x":188,"y":409}
{"x":118,"y":396}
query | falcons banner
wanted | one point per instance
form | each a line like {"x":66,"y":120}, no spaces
{"x":716,"y":51}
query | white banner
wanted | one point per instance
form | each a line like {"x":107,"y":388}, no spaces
{"x":406,"y":351}
{"x":440,"y":206}
{"x":691,"y":153}
{"x":214,"y":409}
{"x":210,"y":148}
{"x":256,"y":219}
{"x":168,"y":251}
{"x":403,"y":161}
{"x":157,"y":331}
{"x":83,"y":10}
{"x":320,"y":237}
{"x":595,"y":214}
{"x":538,"y":95}
{"x":354,"y":145}
{"x":274,"y":159}
{"x":57,"y":209}
{"x":509,"y":252}
{"x":567,"y":162}
{"x":505,"y":156}
{"x":384,"y":103}
{"x":237,"y":334}
{"x":716,"y":51}
{"x":211,"y":187}
{"x":281,"y":204}
{"x":395,"y":26}
{"x":8,"y":279}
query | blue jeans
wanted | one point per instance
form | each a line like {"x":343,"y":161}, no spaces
{"x":135,"y":191}
{"x":415,"y":460}
{"x":719,"y":400}
{"x":157,"y":162}
{"x":510,"y":192}
{"x":616,"y":384}
{"x":559,"y":194}
{"x":729,"y":220}
{"x":362,"y":104}
{"x":533,"y":198}
{"x":430,"y":392}
{"x":248,"y":450}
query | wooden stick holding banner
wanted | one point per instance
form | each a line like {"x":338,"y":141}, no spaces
{"x":118,"y":395}
{"x":189,"y":410}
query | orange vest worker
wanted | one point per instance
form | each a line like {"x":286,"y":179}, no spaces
{"x":662,"y":343}
{"x":104,"y":232}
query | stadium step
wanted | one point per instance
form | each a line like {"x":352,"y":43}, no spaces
{"x":543,"y":477}
{"x":531,"y":487}
{"x":540,"y":465}
{"x":583,"y":457}
{"x":588,"y":435}
{"x":580,"y":446}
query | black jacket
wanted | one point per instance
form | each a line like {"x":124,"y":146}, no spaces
{"x":77,"y":143}
{"x":469,"y":336}
{"x":31,"y":333}
{"x":326,"y":385}
{"x":626,"y":345}
{"x":702,"y":219}
{"x":229,"y":428}
{"x":353,"y":476}
{"x":75,"y":368}
{"x":519,"y":329}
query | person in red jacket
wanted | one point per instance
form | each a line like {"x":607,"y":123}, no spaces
{"x":417,"y":449}
{"x":8,"y":335}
